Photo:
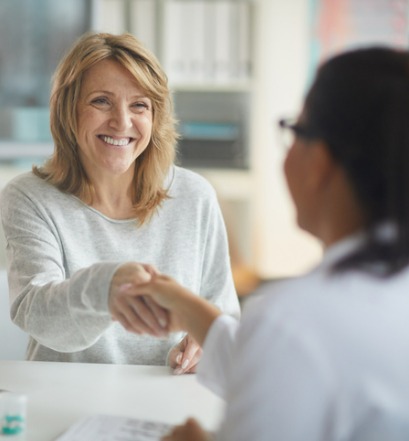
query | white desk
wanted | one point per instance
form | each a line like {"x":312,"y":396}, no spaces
{"x":61,"y":393}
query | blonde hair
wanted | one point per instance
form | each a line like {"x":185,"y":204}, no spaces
{"x":64,"y":169}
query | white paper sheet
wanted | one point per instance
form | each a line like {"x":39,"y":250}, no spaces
{"x":115,"y":428}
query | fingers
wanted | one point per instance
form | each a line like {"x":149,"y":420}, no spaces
{"x":160,"y":314}
{"x":185,"y":356}
{"x":142,"y":300}
{"x":135,"y":312}
{"x":126,"y":275}
{"x":136,"y":315}
{"x":153,"y":271}
{"x":190,"y":431}
{"x":165,"y":293}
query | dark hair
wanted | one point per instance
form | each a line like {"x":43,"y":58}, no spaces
{"x":359,"y":104}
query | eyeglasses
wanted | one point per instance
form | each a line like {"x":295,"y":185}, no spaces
{"x":290,"y":129}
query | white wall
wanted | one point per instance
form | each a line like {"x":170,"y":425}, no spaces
{"x":280,"y":248}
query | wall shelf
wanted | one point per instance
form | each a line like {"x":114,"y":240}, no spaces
{"x":12,"y":150}
{"x":207,"y":86}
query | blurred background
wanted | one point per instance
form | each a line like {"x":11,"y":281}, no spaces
{"x":235,"y":67}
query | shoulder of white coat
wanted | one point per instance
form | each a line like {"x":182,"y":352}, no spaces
{"x":292,"y":295}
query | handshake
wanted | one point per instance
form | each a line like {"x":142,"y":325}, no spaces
{"x":147,"y":302}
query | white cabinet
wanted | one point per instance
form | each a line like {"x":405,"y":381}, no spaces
{"x":201,"y":43}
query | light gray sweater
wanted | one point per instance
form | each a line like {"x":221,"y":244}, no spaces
{"x":62,"y":254}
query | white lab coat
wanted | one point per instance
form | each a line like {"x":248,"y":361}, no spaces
{"x":322,"y":357}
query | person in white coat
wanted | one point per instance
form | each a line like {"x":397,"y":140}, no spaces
{"x":323,"y":356}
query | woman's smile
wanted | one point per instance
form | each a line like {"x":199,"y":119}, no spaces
{"x":116,"y":141}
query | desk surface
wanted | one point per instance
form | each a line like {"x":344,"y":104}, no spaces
{"x":61,"y":393}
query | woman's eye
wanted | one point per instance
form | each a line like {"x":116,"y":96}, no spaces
{"x":141,"y":106}
{"x":99,"y":101}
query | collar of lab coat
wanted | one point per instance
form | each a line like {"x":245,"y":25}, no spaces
{"x":334,"y":253}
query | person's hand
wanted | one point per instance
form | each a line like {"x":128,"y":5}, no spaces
{"x":166,"y":293}
{"x":190,"y":431}
{"x":184,"y":357}
{"x":136,"y":313}
{"x":186,"y":310}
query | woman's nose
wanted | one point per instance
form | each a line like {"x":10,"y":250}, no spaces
{"x":121,"y":118}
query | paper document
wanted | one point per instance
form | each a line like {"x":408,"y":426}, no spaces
{"x":115,"y":428}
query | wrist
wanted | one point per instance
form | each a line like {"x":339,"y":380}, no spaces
{"x":196,"y":316}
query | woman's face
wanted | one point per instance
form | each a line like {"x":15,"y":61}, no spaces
{"x":303,"y":168}
{"x":114,"y":121}
{"x":296,"y":169}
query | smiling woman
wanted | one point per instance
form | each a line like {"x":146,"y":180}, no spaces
{"x":93,"y":78}
{"x":109,"y":197}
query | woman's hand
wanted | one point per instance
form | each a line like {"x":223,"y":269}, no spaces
{"x":190,"y":431}
{"x":136,"y":313}
{"x":186,"y":311}
{"x":184,"y":357}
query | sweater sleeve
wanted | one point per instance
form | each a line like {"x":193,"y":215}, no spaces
{"x":66,"y":315}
